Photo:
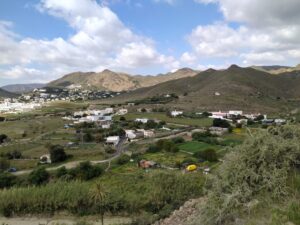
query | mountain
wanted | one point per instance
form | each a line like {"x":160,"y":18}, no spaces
{"x":6,"y":94}
{"x":234,"y":88}
{"x":276,"y":69}
{"x":22,"y":88}
{"x":115,"y":81}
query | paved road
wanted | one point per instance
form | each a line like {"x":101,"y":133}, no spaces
{"x":119,"y":150}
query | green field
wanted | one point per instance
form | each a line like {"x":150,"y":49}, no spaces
{"x":196,"y":146}
{"x":203,"y":122}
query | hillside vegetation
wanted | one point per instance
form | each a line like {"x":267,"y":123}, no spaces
{"x":116,"y":81}
{"x":233,"y":88}
{"x":258,"y":183}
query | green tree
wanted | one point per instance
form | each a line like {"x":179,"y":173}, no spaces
{"x":57,"y":153}
{"x":38,"y":176}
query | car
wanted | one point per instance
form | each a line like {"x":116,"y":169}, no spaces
{"x":12,"y":170}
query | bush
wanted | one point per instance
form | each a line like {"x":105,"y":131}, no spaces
{"x":57,"y":153}
{"x":38,"y":176}
{"x":61,"y":172}
{"x":221,"y":123}
{"x":123,"y":159}
{"x":260,"y":166}
{"x":4,"y":164}
{"x":122,"y":118}
{"x":88,"y":137}
{"x":178,"y":140}
{"x":85,"y":171}
{"x":7,"y":180}
{"x":208,"y":155}
{"x":153,"y":149}
{"x":3,"y":138}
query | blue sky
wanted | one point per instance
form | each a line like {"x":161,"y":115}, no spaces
{"x":41,"y":40}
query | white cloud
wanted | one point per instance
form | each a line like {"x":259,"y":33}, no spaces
{"x":101,"y":40}
{"x":171,"y":2}
{"x":268,"y":32}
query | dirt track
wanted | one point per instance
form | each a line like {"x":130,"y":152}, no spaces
{"x":49,"y":221}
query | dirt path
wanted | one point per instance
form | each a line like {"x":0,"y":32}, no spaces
{"x":54,"y":221}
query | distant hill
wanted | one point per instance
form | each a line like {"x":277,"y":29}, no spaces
{"x":276,"y":69}
{"x":22,"y":88}
{"x":6,"y":94}
{"x":115,"y":81}
{"x":234,"y":88}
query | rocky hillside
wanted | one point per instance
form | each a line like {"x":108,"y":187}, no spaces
{"x":22,"y":88}
{"x":114,"y":81}
{"x":6,"y":94}
{"x":235,"y":87}
{"x":277,"y":69}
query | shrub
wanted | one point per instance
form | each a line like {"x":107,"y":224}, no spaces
{"x":61,"y":172}
{"x":122,"y":118}
{"x":221,"y":123}
{"x":3,"y":138}
{"x":123,"y":159}
{"x":153,"y":149}
{"x":88,"y":137}
{"x":85,"y":171}
{"x":57,"y":153}
{"x":4,"y":164}
{"x":7,"y":180}
{"x":207,"y":154}
{"x":38,"y":176}
{"x":260,"y":166}
{"x":178,"y":140}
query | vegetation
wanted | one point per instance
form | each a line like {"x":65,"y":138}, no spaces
{"x":134,"y":194}
{"x":261,"y":166}
{"x":38,"y":176}
{"x":57,"y":153}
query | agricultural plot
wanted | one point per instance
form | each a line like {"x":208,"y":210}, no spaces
{"x":196,"y":146}
{"x":203,"y":122}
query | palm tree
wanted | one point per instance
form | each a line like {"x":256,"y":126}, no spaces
{"x":98,"y":195}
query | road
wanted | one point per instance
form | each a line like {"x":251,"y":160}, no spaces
{"x":119,"y":150}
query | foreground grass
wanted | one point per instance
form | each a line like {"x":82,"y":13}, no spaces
{"x":126,"y":193}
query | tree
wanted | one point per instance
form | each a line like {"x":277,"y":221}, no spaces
{"x":153,"y":149}
{"x":178,"y":140}
{"x":38,"y":176}
{"x":122,"y":118}
{"x":221,"y":123}
{"x":98,"y":195}
{"x":61,"y":172}
{"x":123,"y":159}
{"x":88,"y":137}
{"x":57,"y":153}
{"x":14,"y":155}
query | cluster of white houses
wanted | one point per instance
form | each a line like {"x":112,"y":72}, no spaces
{"x":17,"y":107}
{"x":102,"y":118}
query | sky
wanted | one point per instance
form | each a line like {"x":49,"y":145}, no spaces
{"x":42,"y":40}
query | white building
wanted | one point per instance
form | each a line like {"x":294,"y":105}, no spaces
{"x":45,"y":159}
{"x":113,"y":140}
{"x":176,"y":113}
{"x":235,"y":112}
{"x":218,"y":115}
{"x":142,"y":120}
{"x":122,"y":112}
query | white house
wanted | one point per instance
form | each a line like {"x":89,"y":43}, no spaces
{"x":176,"y":113}
{"x":113,"y":140}
{"x":45,"y":159}
{"x":142,"y":120}
{"x":122,"y":112}
{"x":218,"y":115}
{"x":147,"y":133}
{"x":235,"y":112}
{"x":130,"y":134}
